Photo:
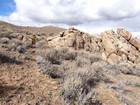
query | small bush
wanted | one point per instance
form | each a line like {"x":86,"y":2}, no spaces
{"x":27,"y":44}
{"x":137,"y":85}
{"x":6,"y":34}
{"x":40,"y":43}
{"x":70,"y":55}
{"x":50,"y":61}
{"x":78,"y":86}
{"x":124,"y":100}
{"x":83,"y":54}
{"x":112,"y":70}
{"x":51,"y":55}
{"x":119,"y":87}
{"x":4,"y":40}
{"x":9,"y":60}
{"x":81,"y":62}
{"x":92,"y":57}
{"x":47,"y":68}
{"x":95,"y":58}
{"x":129,"y":70}
{"x":21,"y":49}
{"x":54,"y":56}
{"x":64,"y":50}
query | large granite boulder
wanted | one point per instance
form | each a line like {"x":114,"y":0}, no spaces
{"x":114,"y":47}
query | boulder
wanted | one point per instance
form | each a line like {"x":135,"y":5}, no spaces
{"x":114,"y":58}
{"x":124,"y":33}
{"x":108,"y":39}
{"x":71,"y":38}
{"x":114,"y":47}
{"x":135,"y":42}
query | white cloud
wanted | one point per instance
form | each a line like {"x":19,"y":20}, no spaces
{"x":90,"y":15}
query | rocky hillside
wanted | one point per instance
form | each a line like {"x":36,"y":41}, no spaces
{"x":100,"y":72}
{"x":68,"y":67}
{"x":114,"y":47}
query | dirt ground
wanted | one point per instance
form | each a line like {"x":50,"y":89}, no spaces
{"x":22,"y":84}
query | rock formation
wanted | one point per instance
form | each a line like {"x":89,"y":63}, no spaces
{"x":114,"y":47}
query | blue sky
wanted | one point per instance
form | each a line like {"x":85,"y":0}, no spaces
{"x":7,"y":7}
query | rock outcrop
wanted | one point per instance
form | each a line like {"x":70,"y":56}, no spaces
{"x":75,"y":39}
{"x":114,"y":47}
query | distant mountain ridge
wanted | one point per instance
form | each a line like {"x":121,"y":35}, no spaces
{"x":32,"y":29}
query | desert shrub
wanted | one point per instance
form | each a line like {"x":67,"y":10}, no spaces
{"x":81,"y":62}
{"x":79,"y":84}
{"x":101,"y":64}
{"x":86,"y":59}
{"x":51,"y":55}
{"x":112,"y":70}
{"x":6,"y":34}
{"x":84,"y":54}
{"x":68,"y":66}
{"x":137,"y":85}
{"x":129,"y":69}
{"x":13,"y":45}
{"x":9,"y":60}
{"x":64,"y":50}
{"x":120,"y":87}
{"x":67,"y":55}
{"x":16,"y":45}
{"x":122,"y":68}
{"x":50,"y":61}
{"x":42,"y":52}
{"x":124,"y":100}
{"x":47,"y":68}
{"x":4,"y":40}
{"x":27,"y":44}
{"x":40,"y":43}
{"x":21,"y":49}
{"x":56,"y":56}
{"x":70,"y":55}
{"x":17,"y":41}
{"x":94,"y":58}
{"x":90,"y":56}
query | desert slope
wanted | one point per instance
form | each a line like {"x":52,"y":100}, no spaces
{"x":68,"y":67}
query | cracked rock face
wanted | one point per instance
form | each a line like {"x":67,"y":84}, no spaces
{"x":114,"y":47}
